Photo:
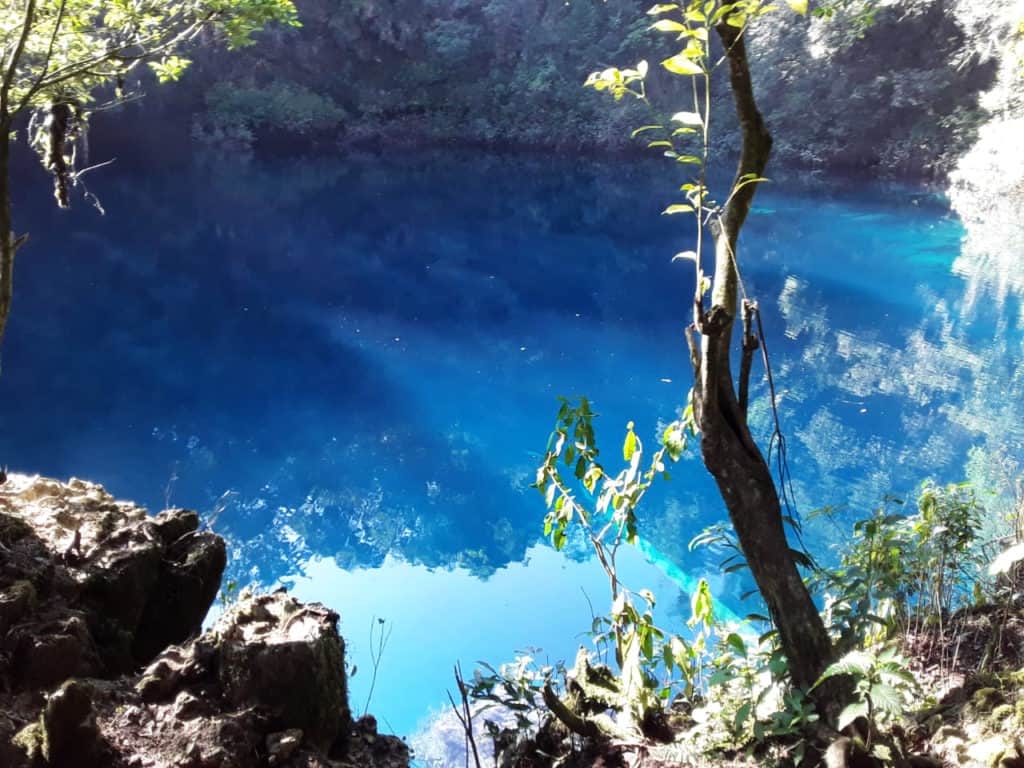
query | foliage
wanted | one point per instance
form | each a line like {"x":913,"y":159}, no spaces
{"x":229,"y":592}
{"x":514,"y":688}
{"x":59,"y":53}
{"x":883,"y":686}
{"x":714,"y":668}
{"x":684,"y":137}
{"x":491,"y":71}
{"x":240,"y":113}
{"x":604,"y":507}
{"x":860,"y":14}
{"x":901,"y":567}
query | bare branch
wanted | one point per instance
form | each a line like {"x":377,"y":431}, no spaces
{"x":12,"y":67}
{"x":465,"y":715}
{"x":568,"y":718}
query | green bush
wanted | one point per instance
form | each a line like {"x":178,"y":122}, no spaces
{"x":245,"y":113}
{"x":901,"y":567}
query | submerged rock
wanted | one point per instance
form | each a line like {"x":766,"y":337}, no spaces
{"x":92,"y":589}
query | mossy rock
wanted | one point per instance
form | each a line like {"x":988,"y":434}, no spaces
{"x":32,"y":741}
{"x":16,"y":601}
{"x":986,"y":699}
{"x":64,"y":734}
{"x":13,"y":529}
{"x":1002,"y":716}
{"x":989,"y":752}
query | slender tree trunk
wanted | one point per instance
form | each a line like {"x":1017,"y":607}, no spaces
{"x":729,"y":451}
{"x":8,"y":243}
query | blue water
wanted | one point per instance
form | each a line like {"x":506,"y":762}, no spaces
{"x":350,"y":365}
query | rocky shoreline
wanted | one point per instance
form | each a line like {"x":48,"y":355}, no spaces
{"x":103,"y":663}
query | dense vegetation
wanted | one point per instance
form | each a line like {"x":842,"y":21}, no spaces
{"x":508,"y":73}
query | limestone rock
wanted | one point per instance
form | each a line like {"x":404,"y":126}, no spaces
{"x":281,"y":746}
{"x":92,"y":588}
{"x":120,"y":586}
{"x":280,"y":654}
{"x":65,"y":733}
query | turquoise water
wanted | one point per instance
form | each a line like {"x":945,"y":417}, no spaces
{"x":350,"y":365}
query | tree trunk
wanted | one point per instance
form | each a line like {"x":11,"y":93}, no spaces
{"x":728,"y":450}
{"x":8,"y":243}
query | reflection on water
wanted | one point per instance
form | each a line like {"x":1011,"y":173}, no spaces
{"x":350,"y":365}
{"x":543,"y":601}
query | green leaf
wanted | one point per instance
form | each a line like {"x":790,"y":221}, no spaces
{"x":856,"y":663}
{"x":677,"y":208}
{"x":886,"y":699}
{"x":801,"y":558}
{"x":798,"y":6}
{"x":851,"y":712}
{"x":681,"y":652}
{"x":735,"y":642}
{"x":558,"y":539}
{"x":701,"y":605}
{"x":643,"y":128}
{"x":629,"y":446}
{"x":652,"y":144}
{"x":883,"y":753}
{"x":742,"y":714}
{"x":720,"y":13}
{"x":693,"y":159}
{"x":682,"y":65}
{"x":685,"y":255}
{"x":674,"y":440}
{"x":667,"y":25}
{"x":662,"y":8}
{"x":720,"y":677}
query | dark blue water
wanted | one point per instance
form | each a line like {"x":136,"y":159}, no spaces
{"x":350,"y":365}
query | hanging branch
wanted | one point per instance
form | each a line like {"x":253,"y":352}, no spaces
{"x":750,"y":345}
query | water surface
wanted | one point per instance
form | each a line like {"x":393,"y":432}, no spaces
{"x":349,"y":364}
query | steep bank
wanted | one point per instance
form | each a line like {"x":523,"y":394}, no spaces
{"x":94,"y":592}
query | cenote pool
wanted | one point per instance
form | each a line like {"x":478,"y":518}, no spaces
{"x":350,"y":365}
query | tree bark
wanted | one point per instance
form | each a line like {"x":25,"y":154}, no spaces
{"x":8,"y":243}
{"x":727,"y":447}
